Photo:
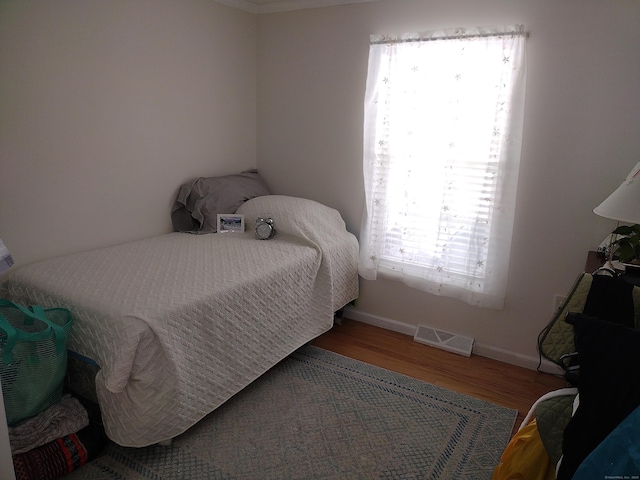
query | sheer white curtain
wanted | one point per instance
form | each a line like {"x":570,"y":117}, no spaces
{"x":442,"y":139}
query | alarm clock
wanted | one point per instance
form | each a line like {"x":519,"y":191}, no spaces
{"x":264,"y":227}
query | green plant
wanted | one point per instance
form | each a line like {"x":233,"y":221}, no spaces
{"x":629,"y":244}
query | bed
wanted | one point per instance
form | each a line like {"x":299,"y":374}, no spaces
{"x":179,"y":323}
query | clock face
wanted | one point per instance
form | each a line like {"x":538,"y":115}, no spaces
{"x":263,"y":231}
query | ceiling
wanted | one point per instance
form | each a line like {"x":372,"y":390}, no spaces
{"x":272,"y":6}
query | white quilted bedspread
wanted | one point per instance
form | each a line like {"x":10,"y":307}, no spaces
{"x":179,"y":323}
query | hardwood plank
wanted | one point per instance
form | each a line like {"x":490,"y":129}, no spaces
{"x":497,"y":382}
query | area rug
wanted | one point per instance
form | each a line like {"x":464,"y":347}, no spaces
{"x":320,"y":415}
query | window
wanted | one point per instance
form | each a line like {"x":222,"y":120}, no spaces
{"x":442,"y":138}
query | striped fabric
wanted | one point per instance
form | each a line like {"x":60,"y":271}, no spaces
{"x":61,"y":456}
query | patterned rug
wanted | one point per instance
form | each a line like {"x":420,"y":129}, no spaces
{"x":319,"y":415}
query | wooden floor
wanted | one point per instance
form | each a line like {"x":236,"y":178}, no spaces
{"x":491,"y":380}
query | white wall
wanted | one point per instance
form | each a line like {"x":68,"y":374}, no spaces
{"x":107,"y":106}
{"x":582,"y":136}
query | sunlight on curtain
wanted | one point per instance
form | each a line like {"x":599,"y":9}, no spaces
{"x":442,"y":140}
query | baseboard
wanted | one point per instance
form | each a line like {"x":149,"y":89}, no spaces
{"x":383,"y":322}
{"x":481,"y":349}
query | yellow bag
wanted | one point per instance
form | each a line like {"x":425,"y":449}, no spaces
{"x":525,"y":458}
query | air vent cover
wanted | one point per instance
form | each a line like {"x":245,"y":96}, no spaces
{"x":445,"y":340}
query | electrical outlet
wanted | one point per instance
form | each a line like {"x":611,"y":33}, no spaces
{"x":558,"y":301}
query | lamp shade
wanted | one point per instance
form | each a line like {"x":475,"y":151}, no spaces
{"x":623,"y":204}
{"x":6,"y":260}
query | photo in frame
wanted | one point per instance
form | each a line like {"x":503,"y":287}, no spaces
{"x":229,"y":222}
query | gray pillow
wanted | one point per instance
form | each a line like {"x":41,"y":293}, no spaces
{"x":199,"y":201}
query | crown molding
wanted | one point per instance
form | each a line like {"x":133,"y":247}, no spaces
{"x":240,"y":5}
{"x":286,"y":5}
{"x":289,"y":5}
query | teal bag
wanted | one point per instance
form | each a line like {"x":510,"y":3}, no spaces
{"x":33,"y":358}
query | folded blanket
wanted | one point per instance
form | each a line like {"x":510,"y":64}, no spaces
{"x":64,"y":418}
{"x":56,"y":459}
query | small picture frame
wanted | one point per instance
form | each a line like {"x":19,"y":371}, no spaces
{"x":229,"y":222}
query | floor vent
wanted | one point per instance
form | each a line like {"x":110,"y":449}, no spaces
{"x":445,"y":340}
